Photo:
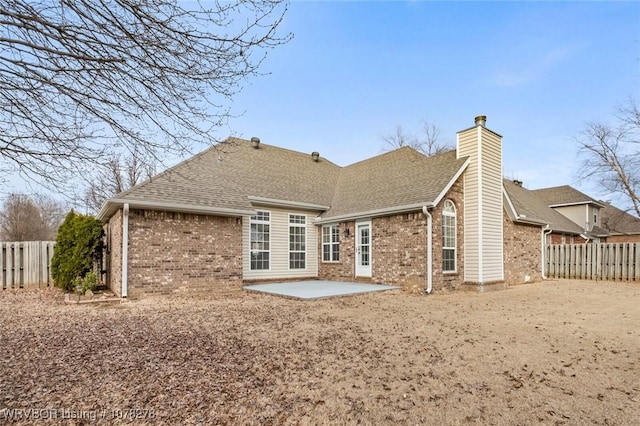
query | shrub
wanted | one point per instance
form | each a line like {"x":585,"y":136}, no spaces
{"x":78,"y":246}
{"x":88,"y":282}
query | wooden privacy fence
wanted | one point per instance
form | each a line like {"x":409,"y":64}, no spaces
{"x":594,"y":261}
{"x":26,"y":264}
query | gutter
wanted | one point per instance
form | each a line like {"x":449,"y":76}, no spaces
{"x":543,"y":238}
{"x":113,"y":204}
{"x":371,"y":213}
{"x":425,"y":210}
{"x":125,"y":250}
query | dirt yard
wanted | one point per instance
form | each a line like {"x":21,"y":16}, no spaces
{"x":559,"y":352}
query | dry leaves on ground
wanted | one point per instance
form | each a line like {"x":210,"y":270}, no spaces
{"x":560,"y":352}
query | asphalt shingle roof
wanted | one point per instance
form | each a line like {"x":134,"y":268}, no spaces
{"x":530,"y":205}
{"x":227,"y":174}
{"x":398,"y":178}
{"x":563,"y":195}
{"x":618,"y":221}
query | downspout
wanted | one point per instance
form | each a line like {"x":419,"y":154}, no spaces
{"x":425,"y":210}
{"x":125,"y":249}
{"x":543,"y":240}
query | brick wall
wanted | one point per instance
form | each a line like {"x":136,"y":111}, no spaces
{"x":171,"y":252}
{"x":522,"y":252}
{"x":622,"y":239}
{"x":399,"y":250}
{"x":113,"y":233}
{"x":344,"y":270}
{"x":449,"y":280}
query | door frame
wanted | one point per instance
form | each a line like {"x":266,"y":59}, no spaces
{"x":363,"y":270}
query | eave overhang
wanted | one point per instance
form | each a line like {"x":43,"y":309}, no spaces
{"x":114,"y":204}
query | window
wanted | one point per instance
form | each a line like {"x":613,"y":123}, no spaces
{"x":297,"y":241}
{"x":449,"y":237}
{"x":331,"y":243}
{"x":260,"y":240}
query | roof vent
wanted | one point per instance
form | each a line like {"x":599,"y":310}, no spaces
{"x":315,"y":156}
{"x":255,"y":142}
{"x":481,"y":120}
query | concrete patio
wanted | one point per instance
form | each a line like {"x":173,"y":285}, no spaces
{"x":317,"y":289}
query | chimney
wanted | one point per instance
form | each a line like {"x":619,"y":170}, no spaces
{"x":481,"y":120}
{"x":315,"y":156}
{"x":483,"y":209}
{"x":255,"y":142}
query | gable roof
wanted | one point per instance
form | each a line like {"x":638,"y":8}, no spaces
{"x":618,"y":222}
{"x":221,"y":179}
{"x":527,"y":206}
{"x":399,"y":180}
{"x":232,"y":176}
{"x":564,"y":195}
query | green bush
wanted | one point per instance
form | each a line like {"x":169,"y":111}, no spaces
{"x":89,"y":282}
{"x":78,"y":246}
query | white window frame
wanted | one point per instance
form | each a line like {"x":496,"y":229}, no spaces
{"x":298,"y":222}
{"x":449,"y":213}
{"x":331,"y":241}
{"x":254,"y":245}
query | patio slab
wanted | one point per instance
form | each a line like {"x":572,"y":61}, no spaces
{"x":316,"y":289}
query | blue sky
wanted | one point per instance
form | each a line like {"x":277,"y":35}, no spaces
{"x":356,"y":70}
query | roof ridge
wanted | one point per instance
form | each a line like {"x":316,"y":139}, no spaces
{"x":282,"y":149}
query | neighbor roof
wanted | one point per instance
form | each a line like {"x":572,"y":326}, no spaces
{"x":529,"y":207}
{"x":564,"y":195}
{"x":618,"y":222}
{"x":230,"y":177}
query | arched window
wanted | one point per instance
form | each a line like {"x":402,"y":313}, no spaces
{"x":449,"y":237}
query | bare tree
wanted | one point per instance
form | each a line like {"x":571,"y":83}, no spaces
{"x":117,"y":175}
{"x":611,"y":154}
{"x":82,"y":79}
{"x":399,"y":139}
{"x":24,"y":218}
{"x":52,"y":213}
{"x":429,"y":144}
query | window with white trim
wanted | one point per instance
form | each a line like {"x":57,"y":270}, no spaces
{"x":260,"y":225}
{"x":297,"y":241}
{"x":330,"y":243}
{"x":449,"y":237}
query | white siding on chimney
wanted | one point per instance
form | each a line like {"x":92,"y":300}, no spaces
{"x":483,"y":232}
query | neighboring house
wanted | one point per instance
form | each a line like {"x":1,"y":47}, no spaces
{"x":244,"y":211}
{"x":622,"y":227}
{"x":578,"y":207}
{"x":600,"y":221}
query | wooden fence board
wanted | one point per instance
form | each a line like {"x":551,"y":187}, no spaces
{"x":597,"y":261}
{"x":26,"y":264}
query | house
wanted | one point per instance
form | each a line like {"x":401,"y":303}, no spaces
{"x":599,"y":221}
{"x":578,"y":207}
{"x":620,"y":225}
{"x":245,"y":211}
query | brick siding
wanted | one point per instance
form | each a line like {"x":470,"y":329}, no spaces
{"x":449,"y":280}
{"x":522,"y":256}
{"x":113,"y":233}
{"x":622,"y":239}
{"x":343,"y":270}
{"x":399,"y":250}
{"x":171,"y":252}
